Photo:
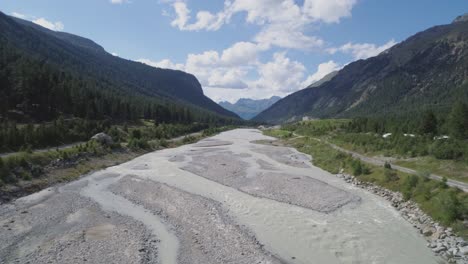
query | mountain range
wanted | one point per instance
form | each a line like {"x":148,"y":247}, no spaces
{"x":69,"y":68}
{"x":426,"y":71}
{"x":248,"y":108}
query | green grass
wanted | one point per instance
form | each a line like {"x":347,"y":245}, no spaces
{"x":447,"y":205}
{"x":452,"y":169}
{"x":278,"y":133}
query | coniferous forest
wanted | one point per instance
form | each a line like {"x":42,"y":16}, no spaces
{"x":54,"y":90}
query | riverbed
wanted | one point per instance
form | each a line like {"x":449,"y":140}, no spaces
{"x":224,"y":199}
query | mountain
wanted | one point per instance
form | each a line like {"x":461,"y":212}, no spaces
{"x":248,"y":108}
{"x":426,"y":71}
{"x":34,"y":58}
{"x":325,"y":79}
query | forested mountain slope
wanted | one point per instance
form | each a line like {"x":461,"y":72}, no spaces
{"x":45,"y":73}
{"x":427,"y":71}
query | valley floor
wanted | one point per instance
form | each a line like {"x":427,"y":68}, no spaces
{"x":224,"y":199}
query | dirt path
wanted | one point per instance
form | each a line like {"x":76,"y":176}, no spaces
{"x":381,"y":162}
{"x":221,"y":200}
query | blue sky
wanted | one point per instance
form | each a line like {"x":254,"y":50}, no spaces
{"x":242,"y":48}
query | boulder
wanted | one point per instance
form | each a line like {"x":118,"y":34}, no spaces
{"x":428,"y":231}
{"x":103,"y":138}
{"x":464,"y":250}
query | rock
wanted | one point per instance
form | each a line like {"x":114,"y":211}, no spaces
{"x":103,"y":138}
{"x":440,"y":249}
{"x":464,"y":250}
{"x":428,"y":231}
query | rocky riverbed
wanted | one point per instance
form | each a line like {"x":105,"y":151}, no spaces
{"x":222,"y":200}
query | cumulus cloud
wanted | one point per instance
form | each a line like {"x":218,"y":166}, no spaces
{"x":55,"y":26}
{"x":329,"y":11}
{"x":283,"y":22}
{"x":362,"y":50}
{"x":281,"y":74}
{"x":225,"y":69}
{"x":205,"y":20}
{"x":323,"y":70}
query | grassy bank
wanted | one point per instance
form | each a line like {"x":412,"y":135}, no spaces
{"x":28,"y":172}
{"x":446,"y":205}
{"x":447,"y":157}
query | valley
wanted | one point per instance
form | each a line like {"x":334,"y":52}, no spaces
{"x":268,"y":132}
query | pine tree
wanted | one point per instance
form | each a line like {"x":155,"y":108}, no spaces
{"x":429,"y":124}
{"x":458,"y":121}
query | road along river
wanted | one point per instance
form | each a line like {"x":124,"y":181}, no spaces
{"x":224,"y":199}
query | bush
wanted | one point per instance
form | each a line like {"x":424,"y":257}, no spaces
{"x":443,"y":183}
{"x":136,"y":134}
{"x":3,"y":170}
{"x":188,"y":139}
{"x":136,"y":144}
{"x":163,"y":143}
{"x":408,"y":185}
{"x":387,"y":166}
{"x":446,"y":207}
{"x":390,"y":175}
{"x":359,"y":168}
{"x":447,"y":149}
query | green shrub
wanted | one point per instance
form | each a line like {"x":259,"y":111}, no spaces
{"x":136,"y":134}
{"x":188,"y":139}
{"x":408,"y":185}
{"x":163,"y":143}
{"x":446,"y":207}
{"x":359,"y":168}
{"x":387,"y":166}
{"x":390,"y":175}
{"x":136,"y":144}
{"x":3,"y":170}
{"x":447,"y":149}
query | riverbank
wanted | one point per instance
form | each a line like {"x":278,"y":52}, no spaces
{"x":31,"y":172}
{"x":405,"y":194}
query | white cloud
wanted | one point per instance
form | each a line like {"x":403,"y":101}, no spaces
{"x":280,"y":74}
{"x":281,"y":36}
{"x":283,"y":22}
{"x":362,"y":50}
{"x":241,"y":53}
{"x":329,"y":11}
{"x":55,"y":26}
{"x":119,"y":1}
{"x":237,"y":72}
{"x":323,"y":70}
{"x":166,"y":64}
{"x":205,"y":20}
{"x":19,"y":15}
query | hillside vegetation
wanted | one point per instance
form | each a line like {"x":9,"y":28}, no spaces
{"x":425,"y":72}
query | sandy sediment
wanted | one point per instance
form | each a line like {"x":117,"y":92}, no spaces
{"x":284,"y":155}
{"x":205,"y":231}
{"x":67,"y":228}
{"x":229,"y":169}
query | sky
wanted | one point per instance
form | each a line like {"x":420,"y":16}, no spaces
{"x":242,"y":48}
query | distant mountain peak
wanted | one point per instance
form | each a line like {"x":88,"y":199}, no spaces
{"x":248,"y":108}
{"x":462,"y":18}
